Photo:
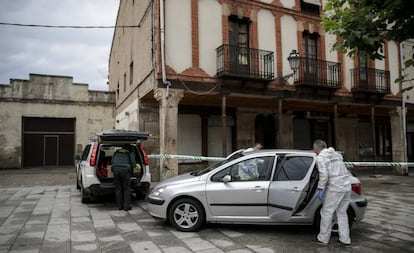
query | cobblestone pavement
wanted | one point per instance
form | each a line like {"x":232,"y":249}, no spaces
{"x":52,"y":219}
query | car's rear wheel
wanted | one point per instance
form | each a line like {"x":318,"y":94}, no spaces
{"x":84,"y":199}
{"x":186,"y":215}
{"x":317,"y":221}
{"x":78,"y":186}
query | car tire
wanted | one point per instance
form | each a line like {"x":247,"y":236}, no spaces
{"x":77,"y":182}
{"x":317,"y":220}
{"x":84,"y":198}
{"x":186,"y":215}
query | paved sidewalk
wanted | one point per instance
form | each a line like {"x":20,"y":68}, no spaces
{"x":52,"y":219}
{"x":37,"y":176}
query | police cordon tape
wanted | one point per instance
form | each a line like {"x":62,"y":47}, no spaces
{"x":218,"y":159}
{"x":187,"y":157}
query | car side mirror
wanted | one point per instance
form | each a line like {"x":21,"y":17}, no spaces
{"x":226,"y":179}
{"x":77,"y":157}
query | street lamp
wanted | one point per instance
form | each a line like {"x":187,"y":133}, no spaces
{"x":294,"y":62}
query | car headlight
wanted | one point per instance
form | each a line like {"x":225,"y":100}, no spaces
{"x":157,"y":191}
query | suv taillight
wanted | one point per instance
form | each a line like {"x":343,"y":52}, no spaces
{"x":144,"y":153}
{"x":92,"y":162}
{"x":357,"y":188}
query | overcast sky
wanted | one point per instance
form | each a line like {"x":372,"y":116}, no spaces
{"x":81,"y":53}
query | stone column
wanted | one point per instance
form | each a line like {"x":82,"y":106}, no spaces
{"x":397,"y":137}
{"x":168,"y":113}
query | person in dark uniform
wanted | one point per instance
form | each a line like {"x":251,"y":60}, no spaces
{"x":122,"y":165}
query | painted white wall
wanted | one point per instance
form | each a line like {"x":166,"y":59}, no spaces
{"x":289,"y":41}
{"x":407,"y":52}
{"x":178,"y":34}
{"x":210,"y":34}
{"x":349,"y":64}
{"x":380,"y":64}
{"x":128,"y":122}
{"x":331,"y":55}
{"x":267,"y":32}
{"x":266,"y":1}
{"x":393,"y":63}
{"x":288,"y":3}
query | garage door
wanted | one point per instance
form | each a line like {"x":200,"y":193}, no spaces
{"x":48,"y":142}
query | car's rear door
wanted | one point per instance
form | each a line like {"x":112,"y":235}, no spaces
{"x":243,"y":197}
{"x":289,"y":185}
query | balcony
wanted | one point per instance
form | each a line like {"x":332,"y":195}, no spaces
{"x":318,"y":75}
{"x":370,"y":82}
{"x":234,"y":62}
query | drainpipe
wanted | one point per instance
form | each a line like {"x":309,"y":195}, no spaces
{"x":162,"y":31}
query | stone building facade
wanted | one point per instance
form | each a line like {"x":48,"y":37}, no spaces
{"x":46,"y":120}
{"x":226,"y":83}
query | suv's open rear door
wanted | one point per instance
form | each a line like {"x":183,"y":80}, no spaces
{"x":121,"y":136}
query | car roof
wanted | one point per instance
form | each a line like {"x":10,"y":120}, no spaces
{"x":283,"y":152}
{"x":118,"y":136}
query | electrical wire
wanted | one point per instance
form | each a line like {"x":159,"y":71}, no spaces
{"x":70,"y":26}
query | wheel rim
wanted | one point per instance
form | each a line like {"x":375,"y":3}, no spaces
{"x":186,"y":215}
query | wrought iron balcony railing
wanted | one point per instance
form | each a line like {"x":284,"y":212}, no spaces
{"x":243,"y":62}
{"x":317,"y":73}
{"x":367,"y":80}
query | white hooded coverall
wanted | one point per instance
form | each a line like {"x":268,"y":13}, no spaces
{"x":334,"y":180}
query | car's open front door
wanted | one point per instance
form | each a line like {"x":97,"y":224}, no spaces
{"x":289,"y":186}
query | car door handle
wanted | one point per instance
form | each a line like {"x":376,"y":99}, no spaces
{"x":258,"y":188}
{"x":295,"y":189}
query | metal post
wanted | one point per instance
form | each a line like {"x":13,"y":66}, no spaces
{"x":336,"y":126}
{"x":374,"y":139}
{"x":224,"y":125}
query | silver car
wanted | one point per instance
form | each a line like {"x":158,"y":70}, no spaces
{"x":268,"y":187}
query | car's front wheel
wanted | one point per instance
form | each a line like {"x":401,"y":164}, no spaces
{"x":186,"y":215}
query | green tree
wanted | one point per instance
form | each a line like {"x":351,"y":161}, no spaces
{"x":363,"y":26}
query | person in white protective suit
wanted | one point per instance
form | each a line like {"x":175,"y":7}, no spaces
{"x":334,"y":190}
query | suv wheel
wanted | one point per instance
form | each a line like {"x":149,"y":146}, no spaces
{"x":84,"y":198}
{"x":186,"y":215}
{"x":78,"y":186}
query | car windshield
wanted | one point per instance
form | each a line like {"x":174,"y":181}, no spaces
{"x":216,"y":165}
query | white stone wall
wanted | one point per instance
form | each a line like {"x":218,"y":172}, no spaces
{"x":289,"y":41}
{"x":288,"y":3}
{"x":407,"y":52}
{"x":127,"y":119}
{"x":178,"y":47}
{"x":210,"y":33}
{"x":266,"y":28}
{"x":52,"y":97}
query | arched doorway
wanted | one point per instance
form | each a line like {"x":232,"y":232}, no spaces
{"x":265,"y":130}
